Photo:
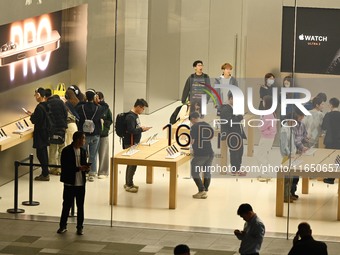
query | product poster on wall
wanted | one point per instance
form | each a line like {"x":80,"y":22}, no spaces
{"x":32,"y":49}
{"x":317,"y":40}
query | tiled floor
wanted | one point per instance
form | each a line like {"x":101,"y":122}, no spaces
{"x":40,"y":237}
{"x":212,"y":220}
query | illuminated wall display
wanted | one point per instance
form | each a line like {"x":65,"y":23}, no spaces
{"x":32,"y":49}
{"x":317,"y":40}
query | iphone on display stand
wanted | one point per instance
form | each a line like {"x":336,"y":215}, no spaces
{"x":20,"y":125}
{"x":10,"y":53}
{"x":26,"y":123}
{"x":3,"y":132}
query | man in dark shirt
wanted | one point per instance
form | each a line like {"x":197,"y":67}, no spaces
{"x":73,"y":169}
{"x":192,"y":91}
{"x":304,"y":243}
{"x":134,"y":134}
{"x":103,"y":152}
{"x":201,"y":134}
{"x":58,"y":112}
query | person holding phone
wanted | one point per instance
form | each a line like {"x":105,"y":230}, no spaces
{"x":40,"y":133}
{"x":134,"y":131}
{"x":73,"y":170}
{"x":253,"y":232}
{"x":304,"y":243}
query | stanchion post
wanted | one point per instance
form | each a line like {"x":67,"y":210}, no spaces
{"x":30,"y":201}
{"x":72,"y":210}
{"x":16,"y":177}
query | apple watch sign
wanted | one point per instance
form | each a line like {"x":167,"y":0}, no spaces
{"x":317,"y":40}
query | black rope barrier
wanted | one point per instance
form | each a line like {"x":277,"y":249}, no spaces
{"x":30,"y":202}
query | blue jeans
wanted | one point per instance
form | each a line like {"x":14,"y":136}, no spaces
{"x":92,"y":146}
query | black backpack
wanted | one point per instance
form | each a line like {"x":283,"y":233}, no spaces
{"x":120,"y":125}
{"x":55,"y":136}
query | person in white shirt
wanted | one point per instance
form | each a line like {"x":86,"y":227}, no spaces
{"x":225,"y":78}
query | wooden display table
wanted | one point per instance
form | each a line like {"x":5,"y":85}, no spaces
{"x":14,"y":135}
{"x":149,"y":156}
{"x":320,"y":164}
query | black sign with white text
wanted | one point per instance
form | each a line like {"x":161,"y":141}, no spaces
{"x":317,"y":40}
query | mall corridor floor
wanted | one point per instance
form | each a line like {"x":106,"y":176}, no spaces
{"x":40,"y":237}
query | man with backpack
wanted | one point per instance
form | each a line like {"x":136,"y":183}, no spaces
{"x":58,"y":114}
{"x":40,"y":133}
{"x":133,"y":135}
{"x":90,"y":115}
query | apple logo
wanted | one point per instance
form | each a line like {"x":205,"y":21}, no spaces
{"x":301,"y":37}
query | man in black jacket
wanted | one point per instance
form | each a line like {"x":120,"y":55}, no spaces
{"x":103,"y":151}
{"x":134,"y":134}
{"x":193,"y":86}
{"x":73,"y":169}
{"x":304,"y":243}
{"x":58,"y":112}
{"x":40,"y":133}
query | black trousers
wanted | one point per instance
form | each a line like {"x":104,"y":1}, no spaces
{"x":71,"y":192}
{"x":236,"y":158}
{"x":42,"y":156}
{"x":130,"y":170}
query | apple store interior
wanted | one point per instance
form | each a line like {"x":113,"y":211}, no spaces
{"x":130,"y":49}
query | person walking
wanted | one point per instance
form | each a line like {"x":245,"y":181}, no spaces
{"x":253,"y":231}
{"x":73,"y":169}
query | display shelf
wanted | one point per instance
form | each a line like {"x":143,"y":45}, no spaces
{"x":10,"y":135}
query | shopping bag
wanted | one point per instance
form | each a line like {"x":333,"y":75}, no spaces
{"x":60,"y":90}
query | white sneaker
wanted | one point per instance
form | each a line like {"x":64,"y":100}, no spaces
{"x":200,"y":195}
{"x":102,"y":176}
{"x":135,"y":186}
{"x":263,"y":179}
{"x":131,"y":189}
{"x":91,"y":178}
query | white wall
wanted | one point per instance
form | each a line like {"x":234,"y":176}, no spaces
{"x":136,"y":33}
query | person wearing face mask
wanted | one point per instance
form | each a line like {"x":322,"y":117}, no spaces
{"x":267,"y":88}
